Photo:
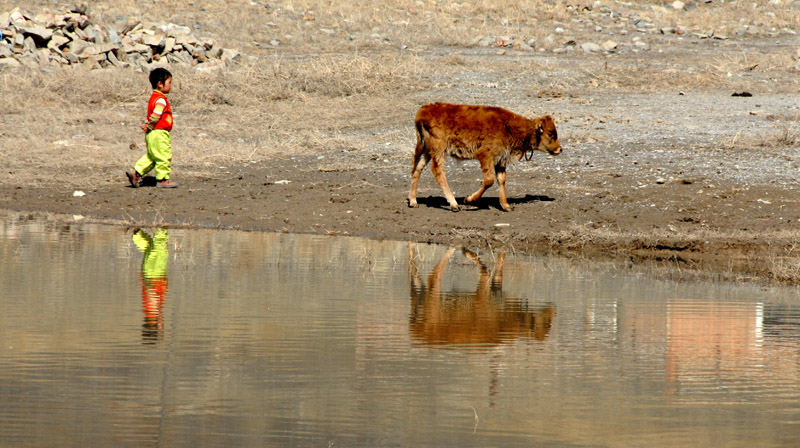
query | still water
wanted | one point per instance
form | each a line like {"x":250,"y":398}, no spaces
{"x":110,"y":337}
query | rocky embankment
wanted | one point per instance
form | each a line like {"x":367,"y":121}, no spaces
{"x":72,"y":38}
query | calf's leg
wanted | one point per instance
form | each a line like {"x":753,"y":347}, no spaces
{"x":437,"y":166}
{"x":501,"y":182}
{"x":488,"y":179}
{"x":421,"y":158}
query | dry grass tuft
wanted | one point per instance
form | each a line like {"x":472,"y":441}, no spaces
{"x":784,"y":134}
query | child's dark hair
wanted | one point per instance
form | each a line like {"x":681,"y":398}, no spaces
{"x":159,"y":74}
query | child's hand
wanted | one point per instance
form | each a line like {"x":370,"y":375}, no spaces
{"x":144,"y":128}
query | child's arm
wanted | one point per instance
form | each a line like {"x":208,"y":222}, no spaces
{"x":158,"y":110}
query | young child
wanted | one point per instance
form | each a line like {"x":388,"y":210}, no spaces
{"x":157,"y":137}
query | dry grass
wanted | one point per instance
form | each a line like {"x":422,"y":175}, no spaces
{"x":76,"y":120}
{"x":279,"y":78}
{"x":785,"y":133}
{"x":343,"y":72}
{"x":693,"y":249}
{"x":729,"y":69}
{"x":786,"y":268}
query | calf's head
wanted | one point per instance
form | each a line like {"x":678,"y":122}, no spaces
{"x":546,"y":135}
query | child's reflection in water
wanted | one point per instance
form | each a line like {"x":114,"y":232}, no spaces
{"x":154,"y":280}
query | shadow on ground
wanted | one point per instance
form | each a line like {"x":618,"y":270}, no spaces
{"x":483,"y":203}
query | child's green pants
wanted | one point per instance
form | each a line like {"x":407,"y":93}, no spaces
{"x":155,"y":250}
{"x":159,"y":154}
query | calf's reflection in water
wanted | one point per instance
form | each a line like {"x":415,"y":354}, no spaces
{"x":479,"y":320}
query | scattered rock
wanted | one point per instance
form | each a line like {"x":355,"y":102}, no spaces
{"x":591,"y":47}
{"x":9,"y":62}
{"x":609,"y":45}
{"x":505,"y":42}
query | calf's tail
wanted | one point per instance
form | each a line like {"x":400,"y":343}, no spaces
{"x":421,"y":132}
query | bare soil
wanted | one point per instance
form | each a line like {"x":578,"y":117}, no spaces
{"x":654,"y":167}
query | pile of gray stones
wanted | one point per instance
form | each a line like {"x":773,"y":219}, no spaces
{"x":48,"y":40}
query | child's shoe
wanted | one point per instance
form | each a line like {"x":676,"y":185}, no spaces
{"x":134,"y":178}
{"x":166,"y":183}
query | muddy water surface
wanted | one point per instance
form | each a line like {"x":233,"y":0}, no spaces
{"x":174,"y":337}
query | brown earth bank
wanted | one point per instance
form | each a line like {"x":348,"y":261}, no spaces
{"x":698,"y":222}
{"x":661,"y":163}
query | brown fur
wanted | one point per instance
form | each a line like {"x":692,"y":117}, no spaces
{"x":491,"y":135}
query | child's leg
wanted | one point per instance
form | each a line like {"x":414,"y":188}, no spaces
{"x":145,"y":163}
{"x":159,"y":147}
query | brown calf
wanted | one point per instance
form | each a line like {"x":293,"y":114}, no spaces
{"x":488,"y":134}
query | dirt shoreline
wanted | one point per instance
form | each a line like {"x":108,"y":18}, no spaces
{"x":722,"y":233}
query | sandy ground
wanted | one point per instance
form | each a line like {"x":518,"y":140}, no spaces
{"x":698,"y":179}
